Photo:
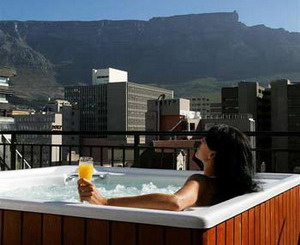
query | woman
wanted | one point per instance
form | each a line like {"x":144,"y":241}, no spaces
{"x":228,"y":169}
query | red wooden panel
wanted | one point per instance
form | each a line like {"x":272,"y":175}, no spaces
{"x":289,"y":218}
{"x":32,"y":229}
{"x":276,"y":223}
{"x":209,"y":236}
{"x":238,"y":229}
{"x":268,"y":223}
{"x":52,"y":229}
{"x":287,"y":232}
{"x":229,"y":231}
{"x":281,"y":219}
{"x":287,"y":214}
{"x":123,"y":233}
{"x":12,"y":223}
{"x":150,"y":234}
{"x":294,"y":215}
{"x":284,"y":206}
{"x":221,"y":228}
{"x":262,"y":223}
{"x":97,"y":232}
{"x":272,"y":217}
{"x":176,"y":236}
{"x":73,"y":230}
{"x":251,"y":227}
{"x":297,"y":214}
{"x":245,"y":228}
{"x":257,"y":224}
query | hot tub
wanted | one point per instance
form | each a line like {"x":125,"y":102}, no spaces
{"x":267,"y":217}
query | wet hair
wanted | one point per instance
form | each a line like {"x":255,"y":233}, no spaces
{"x":233,"y":162}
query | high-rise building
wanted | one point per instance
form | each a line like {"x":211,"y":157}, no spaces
{"x":113,"y":105}
{"x":285,"y":116}
{"x":276,"y":109}
{"x":70,"y":122}
{"x":245,"y":98}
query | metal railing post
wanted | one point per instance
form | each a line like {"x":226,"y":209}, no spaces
{"x":13,"y":151}
{"x":136,"y":150}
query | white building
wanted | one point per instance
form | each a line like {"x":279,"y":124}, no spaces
{"x":109,"y":75}
{"x":6,"y":123}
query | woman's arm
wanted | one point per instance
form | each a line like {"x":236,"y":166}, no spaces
{"x":187,"y":196}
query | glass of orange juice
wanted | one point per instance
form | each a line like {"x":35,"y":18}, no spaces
{"x":86,"y":168}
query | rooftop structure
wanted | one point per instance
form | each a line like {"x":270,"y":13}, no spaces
{"x":109,"y":75}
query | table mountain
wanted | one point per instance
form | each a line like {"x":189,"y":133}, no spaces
{"x":164,"y":50}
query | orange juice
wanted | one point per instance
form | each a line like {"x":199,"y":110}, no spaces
{"x":85,"y":170}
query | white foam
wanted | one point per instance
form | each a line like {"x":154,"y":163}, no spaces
{"x":68,"y":192}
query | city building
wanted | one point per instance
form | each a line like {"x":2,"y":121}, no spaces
{"x":275,"y":109}
{"x":44,"y":121}
{"x":215,"y":108}
{"x":113,"y":105}
{"x":244,"y":98}
{"x":171,"y":115}
{"x":285,"y":117}
{"x":6,"y":122}
{"x":5,"y":75}
{"x":200,"y":104}
{"x":70,"y":122}
{"x":56,"y":105}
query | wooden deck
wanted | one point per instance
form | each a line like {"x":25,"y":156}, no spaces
{"x":276,"y":221}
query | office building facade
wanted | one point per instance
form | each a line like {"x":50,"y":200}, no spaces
{"x":243,"y":99}
{"x":50,"y":121}
{"x":285,"y":117}
{"x":113,"y":106}
{"x":200,"y":104}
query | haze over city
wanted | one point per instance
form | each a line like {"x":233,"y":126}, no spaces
{"x":274,"y":14}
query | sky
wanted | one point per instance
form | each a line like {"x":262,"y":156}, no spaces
{"x":272,"y":13}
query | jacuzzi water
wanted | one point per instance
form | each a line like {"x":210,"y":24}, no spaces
{"x":109,"y":185}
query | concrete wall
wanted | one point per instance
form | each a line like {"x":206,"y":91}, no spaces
{"x":117,"y":107}
{"x":247,"y":98}
{"x":279,"y":122}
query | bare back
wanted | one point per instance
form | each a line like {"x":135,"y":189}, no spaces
{"x":206,"y":189}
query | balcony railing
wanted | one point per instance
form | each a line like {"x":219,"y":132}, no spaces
{"x":29,"y":149}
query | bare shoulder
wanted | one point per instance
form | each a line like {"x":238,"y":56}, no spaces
{"x":206,"y":188}
{"x":199,"y":178}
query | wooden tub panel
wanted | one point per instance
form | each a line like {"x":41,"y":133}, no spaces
{"x":276,"y":221}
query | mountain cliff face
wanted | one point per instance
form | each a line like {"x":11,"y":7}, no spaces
{"x":162,"y":50}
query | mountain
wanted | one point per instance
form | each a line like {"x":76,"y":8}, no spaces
{"x":166,"y":50}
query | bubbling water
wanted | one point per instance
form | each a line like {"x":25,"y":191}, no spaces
{"x":109,"y":187}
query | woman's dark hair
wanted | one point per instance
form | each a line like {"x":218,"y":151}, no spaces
{"x":233,"y":163}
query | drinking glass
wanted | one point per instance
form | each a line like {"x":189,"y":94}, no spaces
{"x":86,"y":168}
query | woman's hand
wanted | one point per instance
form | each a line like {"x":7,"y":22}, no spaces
{"x":88,"y":192}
